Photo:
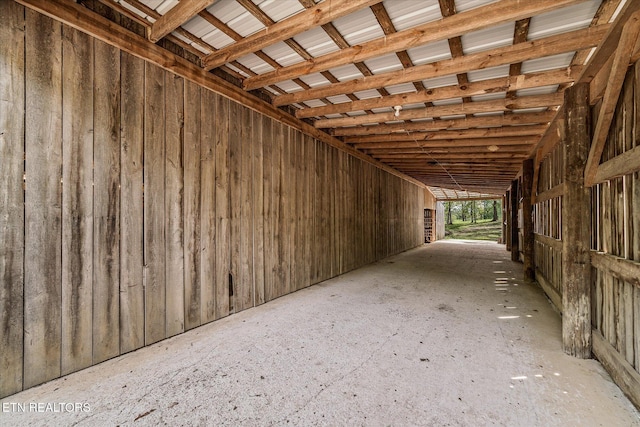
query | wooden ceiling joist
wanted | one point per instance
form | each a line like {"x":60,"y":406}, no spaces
{"x":321,"y":14}
{"x":509,"y":131}
{"x":479,"y":142}
{"x":472,"y":151}
{"x":525,"y":102}
{"x":500,"y":120}
{"x":483,"y":87}
{"x":443,"y":29}
{"x":548,"y":46}
{"x":175,"y":17}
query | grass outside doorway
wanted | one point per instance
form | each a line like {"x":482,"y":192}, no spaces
{"x":483,"y":229}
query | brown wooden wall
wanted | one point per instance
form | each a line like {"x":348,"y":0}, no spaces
{"x":547,"y":226}
{"x":136,"y":205}
{"x":615,"y":241}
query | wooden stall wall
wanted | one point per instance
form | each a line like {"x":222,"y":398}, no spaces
{"x":615,"y":239}
{"x":136,"y":205}
{"x":547,"y":225}
{"x":615,"y":243}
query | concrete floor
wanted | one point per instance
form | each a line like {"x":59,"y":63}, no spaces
{"x":443,"y":335}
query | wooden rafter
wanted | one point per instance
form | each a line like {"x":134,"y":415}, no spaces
{"x":516,"y":119}
{"x":552,"y":45}
{"x":381,"y":14}
{"x":519,"y":36}
{"x":448,"y":110}
{"x":455,"y":25}
{"x":175,"y":17}
{"x":342,"y":43}
{"x":286,"y":29}
{"x":532,"y":130}
{"x":501,"y":84}
{"x":448,"y":8}
{"x":477,"y":142}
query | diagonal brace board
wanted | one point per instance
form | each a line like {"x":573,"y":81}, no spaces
{"x":619,"y":67}
{"x":175,"y":17}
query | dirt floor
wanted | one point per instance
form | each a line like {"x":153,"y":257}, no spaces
{"x":442,"y":335}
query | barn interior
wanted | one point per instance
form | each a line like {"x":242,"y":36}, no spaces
{"x":168,"y":165}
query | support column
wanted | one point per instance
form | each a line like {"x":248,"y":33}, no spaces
{"x":527,"y":220}
{"x":515,"y":250}
{"x":506,"y":227}
{"x":576,"y":265}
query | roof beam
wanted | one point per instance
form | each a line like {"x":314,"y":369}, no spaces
{"x":428,"y":155}
{"x":515,"y":119}
{"x":322,"y":13}
{"x":471,"y":151}
{"x":619,"y":68}
{"x":501,"y":84}
{"x":442,"y":29}
{"x":473,"y":142}
{"x":175,"y":17}
{"x":551,"y":100}
{"x":535,"y":130}
{"x":553,"y":45}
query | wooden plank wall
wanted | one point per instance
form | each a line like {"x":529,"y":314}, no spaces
{"x":547,"y":225}
{"x":616,"y":241}
{"x":153,"y":206}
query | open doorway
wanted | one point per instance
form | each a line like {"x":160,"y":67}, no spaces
{"x":473,"y":219}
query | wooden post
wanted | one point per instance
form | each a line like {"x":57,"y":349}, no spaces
{"x":527,"y":219}
{"x":503,"y":218}
{"x":515,"y":249}
{"x":506,"y":218}
{"x":576,"y":265}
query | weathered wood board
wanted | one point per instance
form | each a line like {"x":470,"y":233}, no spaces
{"x":77,"y":201}
{"x":192,"y":200}
{"x":12,"y":119}
{"x":132,"y":296}
{"x":209,"y":207}
{"x":43,"y":199}
{"x":154,"y":205}
{"x":174,"y":204}
{"x":106,"y":203}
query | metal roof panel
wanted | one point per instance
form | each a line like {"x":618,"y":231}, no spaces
{"x":316,"y":42}
{"x":278,"y":10}
{"x":431,"y":52}
{"x":547,"y":63}
{"x":562,"y":20}
{"x":282,"y":54}
{"x":359,"y":27}
{"x":488,"y":38}
{"x":406,"y":14}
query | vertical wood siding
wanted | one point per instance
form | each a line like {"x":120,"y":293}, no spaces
{"x":152,"y":206}
{"x":616,"y":233}
{"x":615,"y":244}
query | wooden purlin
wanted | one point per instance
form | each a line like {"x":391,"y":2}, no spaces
{"x":283,"y":30}
{"x":501,"y":84}
{"x":455,"y":25}
{"x":175,"y":17}
{"x":552,"y":45}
